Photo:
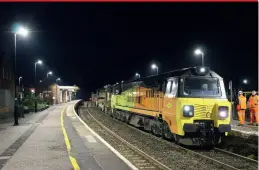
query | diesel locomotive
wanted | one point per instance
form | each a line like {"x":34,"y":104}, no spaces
{"x":189,"y":103}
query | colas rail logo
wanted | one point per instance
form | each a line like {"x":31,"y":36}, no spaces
{"x":169,"y":105}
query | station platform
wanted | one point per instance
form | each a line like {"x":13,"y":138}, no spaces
{"x":246,"y":130}
{"x":54,"y":139}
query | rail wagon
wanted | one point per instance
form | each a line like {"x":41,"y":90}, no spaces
{"x":100,"y":94}
{"x":189,"y":103}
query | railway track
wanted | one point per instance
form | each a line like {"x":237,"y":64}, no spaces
{"x":229,"y":159}
{"x":139,"y":158}
{"x":221,"y":158}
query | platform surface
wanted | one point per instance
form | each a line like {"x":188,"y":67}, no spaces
{"x":246,"y":129}
{"x":39,"y":142}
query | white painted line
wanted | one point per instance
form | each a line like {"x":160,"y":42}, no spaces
{"x":104,"y":142}
{"x":5,"y":157}
{"x":90,"y":139}
{"x":245,"y":132}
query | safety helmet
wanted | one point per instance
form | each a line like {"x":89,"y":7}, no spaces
{"x":240,"y":92}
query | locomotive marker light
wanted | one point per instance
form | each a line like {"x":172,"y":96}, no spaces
{"x":199,"y":52}
{"x":188,"y":111}
{"x":202,"y":70}
{"x":223,"y":112}
{"x":155,"y":67}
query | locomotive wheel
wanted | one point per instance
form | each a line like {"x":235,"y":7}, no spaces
{"x":176,"y":138}
{"x":167,"y":132}
{"x":113,"y":110}
{"x":156,"y":130}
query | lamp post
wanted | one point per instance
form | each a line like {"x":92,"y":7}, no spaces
{"x":199,"y":52}
{"x":24,"y":32}
{"x":49,"y":73}
{"x":58,"y":79}
{"x":20,"y":81}
{"x":137,"y":74}
{"x":35,"y":80}
{"x":20,"y":92}
{"x":155,"y":67}
{"x":35,"y":71}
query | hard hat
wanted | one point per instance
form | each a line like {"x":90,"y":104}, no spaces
{"x":240,"y":92}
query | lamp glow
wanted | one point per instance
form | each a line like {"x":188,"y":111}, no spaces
{"x":198,"y":51}
{"x":22,"y":31}
{"x":154,"y":66}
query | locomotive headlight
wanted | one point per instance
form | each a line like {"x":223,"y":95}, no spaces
{"x":222,"y":112}
{"x":188,"y":111}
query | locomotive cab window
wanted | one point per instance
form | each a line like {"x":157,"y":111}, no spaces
{"x":172,"y":87}
{"x":201,"y":87}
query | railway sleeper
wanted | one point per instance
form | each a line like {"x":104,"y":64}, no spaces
{"x":137,"y":160}
{"x":147,"y":167}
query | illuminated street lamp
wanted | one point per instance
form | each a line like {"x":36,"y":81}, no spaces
{"x":20,"y":81}
{"x":58,"y":79}
{"x":35,"y":81}
{"x":199,"y":52}
{"x":35,"y":71}
{"x":40,"y":81}
{"x":245,"y":81}
{"x":23,"y":32}
{"x":137,"y":74}
{"x":22,"y":115}
{"x":49,"y":73}
{"x":153,"y":66}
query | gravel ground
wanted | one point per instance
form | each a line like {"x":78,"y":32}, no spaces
{"x":234,"y":161}
{"x":174,"y":158}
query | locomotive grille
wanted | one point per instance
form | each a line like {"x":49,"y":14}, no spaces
{"x":203,"y":111}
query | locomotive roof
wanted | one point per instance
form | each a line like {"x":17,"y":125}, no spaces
{"x":181,"y":72}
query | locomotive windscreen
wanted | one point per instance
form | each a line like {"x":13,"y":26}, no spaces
{"x":201,"y":87}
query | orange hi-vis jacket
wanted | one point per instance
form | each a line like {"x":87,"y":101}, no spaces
{"x":253,"y":101}
{"x":242,"y":102}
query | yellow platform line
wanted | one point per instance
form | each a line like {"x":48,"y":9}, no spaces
{"x":71,"y":158}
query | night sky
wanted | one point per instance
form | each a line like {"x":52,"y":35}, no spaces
{"x":94,"y":44}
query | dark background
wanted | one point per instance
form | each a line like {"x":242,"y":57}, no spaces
{"x":94,"y":44}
